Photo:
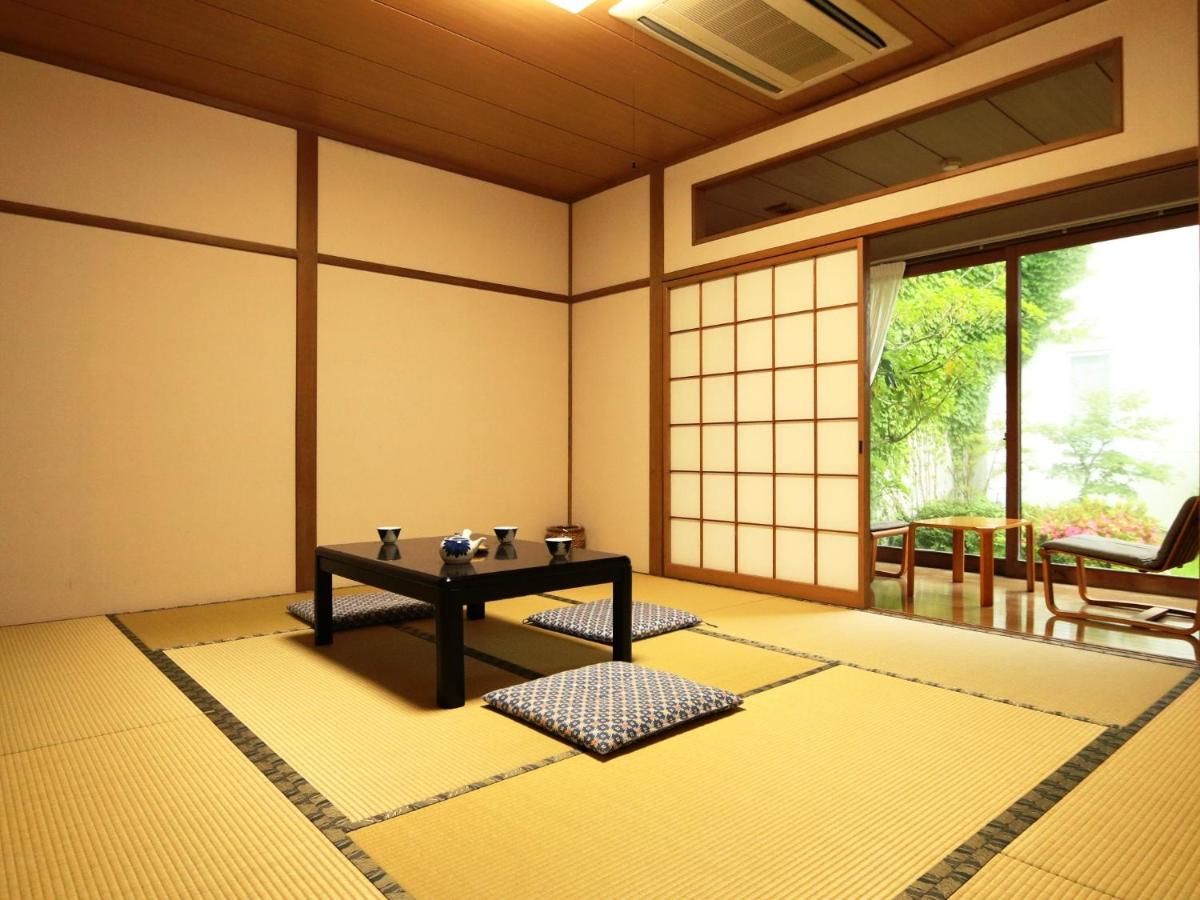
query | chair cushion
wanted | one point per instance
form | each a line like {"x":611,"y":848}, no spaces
{"x":1125,"y":553}
{"x":360,"y":610}
{"x":608,"y":705}
{"x":888,"y":526}
{"x":593,"y":621}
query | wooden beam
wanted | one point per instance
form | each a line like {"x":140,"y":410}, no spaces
{"x":306,"y":357}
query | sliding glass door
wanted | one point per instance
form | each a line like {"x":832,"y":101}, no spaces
{"x":1111,"y":388}
{"x":1056,"y":380}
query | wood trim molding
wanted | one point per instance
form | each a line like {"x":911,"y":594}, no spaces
{"x":1065,"y":185}
{"x":658,"y":384}
{"x":363,"y":265}
{"x":773,"y":257}
{"x":71,"y":217}
{"x":614,"y":289}
{"x":570,"y":365}
{"x":306,"y":357}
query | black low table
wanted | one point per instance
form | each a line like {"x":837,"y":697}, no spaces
{"x":415,"y":569}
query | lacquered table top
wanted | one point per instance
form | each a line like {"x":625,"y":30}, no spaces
{"x":972,"y":523}
{"x":420,"y":556}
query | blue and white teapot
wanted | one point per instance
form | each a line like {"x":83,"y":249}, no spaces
{"x":460,"y":548}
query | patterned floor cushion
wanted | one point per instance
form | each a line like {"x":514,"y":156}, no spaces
{"x":360,"y":610}
{"x":611,"y":704}
{"x":593,"y":621}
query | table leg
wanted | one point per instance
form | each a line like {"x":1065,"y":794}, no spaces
{"x":323,"y":606}
{"x":987,"y":566}
{"x":1029,"y":564}
{"x":623,"y":615}
{"x":957,"y":556}
{"x":451,"y":664}
{"x":910,"y":551}
{"x":474,"y":610}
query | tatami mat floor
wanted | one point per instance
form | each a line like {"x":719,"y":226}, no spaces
{"x":214,"y":751}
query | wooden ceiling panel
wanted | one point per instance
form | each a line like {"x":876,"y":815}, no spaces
{"x":423,"y":50}
{"x":959,"y":22}
{"x":616,"y":63}
{"x":518,"y":92}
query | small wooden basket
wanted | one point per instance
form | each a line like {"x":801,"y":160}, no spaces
{"x":577,"y":534}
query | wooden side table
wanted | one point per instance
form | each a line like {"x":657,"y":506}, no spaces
{"x":986,"y":528}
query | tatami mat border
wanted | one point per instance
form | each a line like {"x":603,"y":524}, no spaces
{"x":969,"y":857}
{"x":240,"y":637}
{"x":315,"y":807}
{"x":459,"y":791}
{"x":782,"y":681}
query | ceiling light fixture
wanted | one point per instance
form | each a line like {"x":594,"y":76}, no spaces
{"x":951,"y":164}
{"x":573,"y":5}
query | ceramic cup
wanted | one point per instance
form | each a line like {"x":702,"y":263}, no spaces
{"x":505,"y":533}
{"x":388,"y":533}
{"x":559,"y":547}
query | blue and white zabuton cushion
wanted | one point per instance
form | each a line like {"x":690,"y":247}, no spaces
{"x":360,"y":610}
{"x":611,"y":704}
{"x":593,"y":621}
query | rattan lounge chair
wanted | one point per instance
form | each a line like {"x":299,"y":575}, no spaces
{"x":889,"y":529}
{"x":1178,"y":548}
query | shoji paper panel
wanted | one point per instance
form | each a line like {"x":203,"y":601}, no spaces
{"x":764,"y":437}
{"x":147,"y":391}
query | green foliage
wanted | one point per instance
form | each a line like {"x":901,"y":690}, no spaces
{"x":1089,"y":457}
{"x":945,"y":349}
{"x":1122,"y":520}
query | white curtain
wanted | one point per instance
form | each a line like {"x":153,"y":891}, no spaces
{"x":885,"y":281}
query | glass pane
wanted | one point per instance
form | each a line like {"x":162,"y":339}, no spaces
{"x":938,"y":404}
{"x":1111,"y":387}
{"x":1077,"y":99}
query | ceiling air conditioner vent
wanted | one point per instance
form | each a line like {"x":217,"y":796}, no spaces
{"x":775,"y":46}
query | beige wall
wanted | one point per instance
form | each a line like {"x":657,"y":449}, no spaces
{"x":146,"y":390}
{"x":71,"y":141}
{"x":610,"y":237}
{"x":392,"y":211}
{"x":1160,"y":116}
{"x":610,"y":416}
{"x":440,"y":408}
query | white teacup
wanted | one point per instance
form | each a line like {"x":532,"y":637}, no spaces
{"x":559,"y":547}
{"x":388,"y":533}
{"x":505,"y":533}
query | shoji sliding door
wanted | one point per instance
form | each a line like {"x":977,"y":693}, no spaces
{"x":766,"y":483}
